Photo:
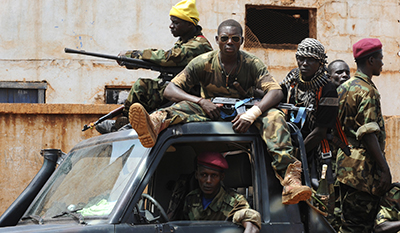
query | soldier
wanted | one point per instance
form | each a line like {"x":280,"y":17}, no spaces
{"x":388,"y":218}
{"x":309,"y":86}
{"x":212,"y":201}
{"x":216,"y":72}
{"x":338,"y":72}
{"x":149,"y":92}
{"x":364,"y":176}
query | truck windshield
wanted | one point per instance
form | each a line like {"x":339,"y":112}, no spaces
{"x":90,"y":180}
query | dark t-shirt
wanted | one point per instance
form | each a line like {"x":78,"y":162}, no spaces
{"x":325,"y":113}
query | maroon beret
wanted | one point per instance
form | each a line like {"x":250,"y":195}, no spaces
{"x":366,"y":47}
{"x":213,"y":160}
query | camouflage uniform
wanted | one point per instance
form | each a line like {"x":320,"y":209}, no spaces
{"x":389,"y":207}
{"x":360,"y":113}
{"x":252,"y":72}
{"x":149,"y":92}
{"x":222,"y":207}
{"x":180,"y":55}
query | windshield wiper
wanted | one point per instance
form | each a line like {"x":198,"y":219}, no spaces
{"x":73,"y":213}
{"x":35,"y":218}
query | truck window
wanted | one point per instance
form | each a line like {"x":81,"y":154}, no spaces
{"x":90,"y":181}
{"x":174,"y":177}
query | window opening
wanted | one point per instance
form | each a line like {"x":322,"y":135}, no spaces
{"x":274,"y":27}
{"x":116,"y":94}
{"x":22,"y":92}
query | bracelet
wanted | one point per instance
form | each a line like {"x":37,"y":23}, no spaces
{"x":198,"y":101}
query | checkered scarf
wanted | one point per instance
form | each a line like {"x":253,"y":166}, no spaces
{"x":310,"y":47}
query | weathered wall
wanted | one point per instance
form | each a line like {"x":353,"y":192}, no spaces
{"x":26,"y":129}
{"x":392,"y":147}
{"x":35,"y":33}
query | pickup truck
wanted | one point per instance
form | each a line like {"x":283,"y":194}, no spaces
{"x":111,"y":183}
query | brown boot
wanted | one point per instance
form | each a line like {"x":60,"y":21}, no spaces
{"x":293,"y":190}
{"x":141,"y":123}
{"x":147,"y":126}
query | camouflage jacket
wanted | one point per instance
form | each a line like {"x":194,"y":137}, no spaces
{"x":222,"y":207}
{"x":206,"y":69}
{"x":390,"y":207}
{"x":180,"y":55}
{"x":359,"y":113}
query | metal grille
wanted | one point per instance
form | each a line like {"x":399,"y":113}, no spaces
{"x":266,"y":27}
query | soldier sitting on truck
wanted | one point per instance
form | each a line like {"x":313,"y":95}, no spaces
{"x":149,"y":92}
{"x":212,"y":201}
{"x":216,"y":72}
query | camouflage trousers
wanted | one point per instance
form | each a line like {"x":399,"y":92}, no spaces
{"x":359,"y":210}
{"x":271,"y":124}
{"x":147,"y":92}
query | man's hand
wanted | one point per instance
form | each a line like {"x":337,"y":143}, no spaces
{"x":249,"y":227}
{"x":121,"y":54}
{"x":211,"y":109}
{"x":240,"y":125}
{"x":370,"y":141}
{"x":385,"y":182}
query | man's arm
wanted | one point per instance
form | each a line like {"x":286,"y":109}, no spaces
{"x":314,"y":138}
{"x":179,"y":55}
{"x":175,"y":94}
{"x":271,"y":99}
{"x":370,"y":141}
{"x":249,"y":227}
{"x":388,"y":227}
{"x":250,"y":219}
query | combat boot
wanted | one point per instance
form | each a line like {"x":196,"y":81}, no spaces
{"x":147,"y":126}
{"x":293,"y":190}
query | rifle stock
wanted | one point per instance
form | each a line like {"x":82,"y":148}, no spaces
{"x":166,"y":72}
{"x":109,"y":115}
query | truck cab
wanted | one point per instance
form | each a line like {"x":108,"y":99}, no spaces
{"x":111,"y":183}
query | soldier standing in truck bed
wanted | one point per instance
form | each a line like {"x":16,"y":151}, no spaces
{"x":149,"y":92}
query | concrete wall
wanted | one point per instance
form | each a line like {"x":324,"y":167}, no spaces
{"x":26,"y":129}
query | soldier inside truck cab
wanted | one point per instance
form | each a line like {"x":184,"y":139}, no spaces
{"x":212,"y":201}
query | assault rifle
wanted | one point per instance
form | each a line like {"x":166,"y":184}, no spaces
{"x":166,"y":72}
{"x":240,"y":105}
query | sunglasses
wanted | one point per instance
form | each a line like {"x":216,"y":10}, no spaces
{"x":226,"y":38}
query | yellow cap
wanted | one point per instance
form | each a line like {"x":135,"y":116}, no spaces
{"x":186,"y":10}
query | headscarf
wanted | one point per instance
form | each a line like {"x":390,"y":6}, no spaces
{"x":310,"y":47}
{"x":186,"y":10}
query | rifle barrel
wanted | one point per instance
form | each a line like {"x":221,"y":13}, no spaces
{"x":138,"y":63}
{"x":83,"y":52}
